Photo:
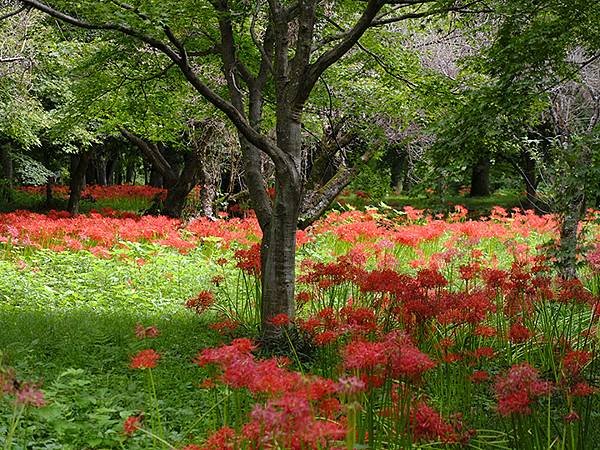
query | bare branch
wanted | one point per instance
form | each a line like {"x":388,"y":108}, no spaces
{"x":331,"y":56}
{"x":13,"y":13}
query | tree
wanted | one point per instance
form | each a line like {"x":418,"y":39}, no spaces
{"x":294,"y":44}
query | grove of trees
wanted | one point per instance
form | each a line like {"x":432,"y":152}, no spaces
{"x":286,"y":102}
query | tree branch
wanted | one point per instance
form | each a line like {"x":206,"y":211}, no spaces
{"x":152,"y":153}
{"x":261,"y":141}
{"x":13,"y":13}
{"x":316,"y":203}
{"x":334,"y":54}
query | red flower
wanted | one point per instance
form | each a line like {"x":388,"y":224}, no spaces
{"x":131,"y":424}
{"x":201,"y":302}
{"x":574,"y":362}
{"x":571,"y":417}
{"x":142,"y":332}
{"x":222,"y":439}
{"x":146,"y":359}
{"x":519,"y":333}
{"x":280,"y":320}
{"x":29,"y":394}
{"x":479,"y":376}
{"x":582,"y":389}
{"x":518,"y":389}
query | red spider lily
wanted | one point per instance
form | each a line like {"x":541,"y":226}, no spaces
{"x":280,"y":320}
{"x":574,"y":362}
{"x":574,"y":291}
{"x":571,"y":417}
{"x":29,"y":394}
{"x":225,"y":327}
{"x":518,"y":333}
{"x":289,"y":422}
{"x":131,"y":425}
{"x":142,"y":332}
{"x":582,"y":389}
{"x":226,"y":353}
{"x":593,"y":258}
{"x":249,"y":260}
{"x":222,"y":439}
{"x":145,"y":359}
{"x":479,"y":376}
{"x":395,"y":355}
{"x":518,"y":389}
{"x":485,"y":331}
{"x":203,"y":301}
{"x":426,"y":424}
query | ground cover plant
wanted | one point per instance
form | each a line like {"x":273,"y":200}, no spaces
{"x":120,"y":331}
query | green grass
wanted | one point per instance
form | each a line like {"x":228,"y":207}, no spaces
{"x":37,"y":203}
{"x":477,"y":206}
{"x":82,"y":358}
{"x":67,"y":320}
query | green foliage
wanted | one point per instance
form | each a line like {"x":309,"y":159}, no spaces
{"x":29,"y":171}
{"x":374,"y":181}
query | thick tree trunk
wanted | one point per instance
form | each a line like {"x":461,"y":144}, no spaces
{"x":567,"y":257}
{"x":178,"y":192}
{"x":129,"y":173}
{"x":480,"y":177}
{"x":156,"y":179}
{"x":278,"y":256}
{"x":208,"y":192}
{"x":7,"y":172}
{"x":7,"y":164}
{"x":77,"y":182}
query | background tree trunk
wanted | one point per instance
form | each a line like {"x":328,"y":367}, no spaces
{"x":569,"y":236}
{"x":78,"y":182}
{"x":480,"y":177}
{"x":7,"y":172}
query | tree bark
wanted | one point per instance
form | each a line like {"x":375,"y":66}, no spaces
{"x":480,"y":177}
{"x":278,"y":255}
{"x":7,"y":172}
{"x":569,"y":236}
{"x":77,"y":182}
{"x":129,"y":172}
{"x":101,"y":171}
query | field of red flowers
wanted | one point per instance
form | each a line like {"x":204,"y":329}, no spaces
{"x":411,"y":332}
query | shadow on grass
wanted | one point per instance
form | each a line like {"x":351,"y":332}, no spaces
{"x":81,"y":358}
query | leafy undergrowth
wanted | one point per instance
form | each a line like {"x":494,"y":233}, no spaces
{"x":411,"y":332}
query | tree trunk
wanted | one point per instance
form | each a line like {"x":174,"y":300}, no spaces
{"x":567,"y":258}
{"x":7,"y":164}
{"x":118,"y":173}
{"x":531,"y":182}
{"x":278,"y":256}
{"x":480,"y":177}
{"x":129,"y":173}
{"x":111,"y":168}
{"x":7,"y":172}
{"x":178,"y":191}
{"x":156,"y":179}
{"x":77,"y":182}
{"x":101,"y":171}
{"x":91,"y":175}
